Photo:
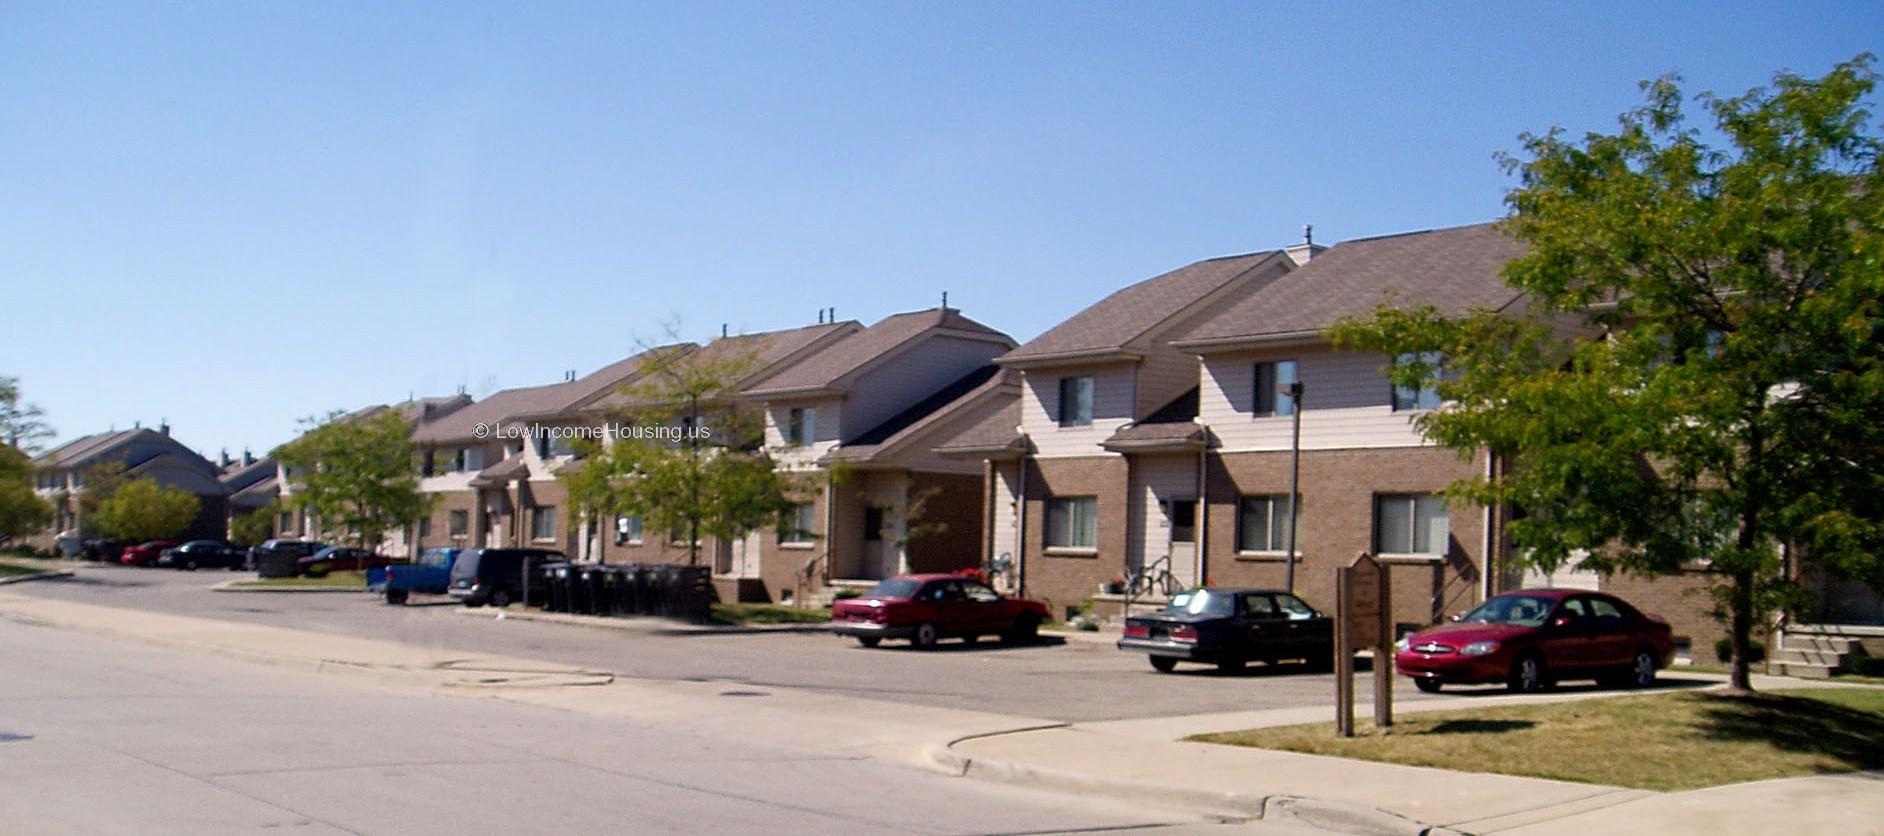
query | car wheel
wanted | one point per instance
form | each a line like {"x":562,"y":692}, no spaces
{"x":1231,"y":665}
{"x":1642,"y":671}
{"x":1026,"y":629}
{"x":868,"y":641}
{"x":396,"y":596}
{"x":925,"y":636}
{"x":500,"y":598}
{"x":1430,"y":686}
{"x":1527,"y":675}
{"x":1163,"y":664}
{"x":190,"y":565}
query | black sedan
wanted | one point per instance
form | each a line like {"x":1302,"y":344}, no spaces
{"x":203,"y":554}
{"x":1230,"y":628}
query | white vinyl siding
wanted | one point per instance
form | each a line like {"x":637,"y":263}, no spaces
{"x":1072,"y":522}
{"x":1411,"y":524}
{"x":905,"y":379}
{"x":1162,"y":376}
{"x":1155,"y":480}
{"x":1113,"y":387}
{"x":1006,"y":522}
{"x":1346,"y":404}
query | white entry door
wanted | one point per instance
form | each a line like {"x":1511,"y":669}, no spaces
{"x":1180,"y":516}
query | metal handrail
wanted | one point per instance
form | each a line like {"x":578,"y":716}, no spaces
{"x":802,"y":577}
{"x":1149,"y":576}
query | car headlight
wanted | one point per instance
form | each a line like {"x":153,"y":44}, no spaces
{"x":1405,"y":643}
{"x":1479,"y":649}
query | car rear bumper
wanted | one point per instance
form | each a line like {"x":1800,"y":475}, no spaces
{"x":1167,"y":648}
{"x":872,"y":629}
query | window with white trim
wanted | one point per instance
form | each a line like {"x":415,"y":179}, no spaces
{"x":1411,"y":524}
{"x":1273,"y":380}
{"x":1073,"y":522}
{"x":1262,"y":524}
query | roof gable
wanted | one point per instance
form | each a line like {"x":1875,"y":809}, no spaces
{"x":1115,"y":323}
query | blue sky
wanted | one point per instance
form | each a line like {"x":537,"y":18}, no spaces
{"x":232,"y":216}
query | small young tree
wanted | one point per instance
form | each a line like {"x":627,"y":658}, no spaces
{"x":140,"y":509}
{"x":1726,"y":399}
{"x":697,"y":466}
{"x":21,"y":426}
{"x":22,"y":512}
{"x":358,"y":475}
{"x":253,"y":527}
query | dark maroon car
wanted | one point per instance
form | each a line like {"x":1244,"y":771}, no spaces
{"x":144,"y":554}
{"x":340,"y":559}
{"x":924,"y":608}
{"x":1533,"y":638}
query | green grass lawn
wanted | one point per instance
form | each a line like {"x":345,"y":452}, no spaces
{"x":352,"y":580}
{"x":11,"y":570}
{"x":1659,"y":742}
{"x":769,"y":614}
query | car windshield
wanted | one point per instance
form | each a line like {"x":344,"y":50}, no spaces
{"x":1522,"y":610}
{"x":894,"y":588}
{"x":1201,"y":602}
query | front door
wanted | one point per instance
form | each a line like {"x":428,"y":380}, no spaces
{"x":1181,"y":520}
{"x":876,"y":552}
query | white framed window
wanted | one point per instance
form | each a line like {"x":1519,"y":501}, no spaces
{"x":543,"y":523}
{"x":1076,"y":401}
{"x":799,"y":527}
{"x":1073,"y":522}
{"x":458,"y":523}
{"x":1406,"y":398}
{"x":627,"y":529}
{"x":801,"y":425}
{"x":425,"y":526}
{"x":1262,"y":524}
{"x":1411,"y":524}
{"x":1273,"y":380}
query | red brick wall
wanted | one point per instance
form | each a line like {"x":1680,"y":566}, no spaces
{"x":1062,"y":581}
{"x":1337,"y":523}
{"x":1683,"y":599}
{"x":959,"y":503}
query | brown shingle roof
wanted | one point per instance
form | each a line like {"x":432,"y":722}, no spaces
{"x":999,"y":432}
{"x":1170,"y":435}
{"x":928,"y":412}
{"x":1456,"y":270}
{"x":79,"y":449}
{"x":829,"y":367}
{"x":1115,"y":322}
{"x":767,"y":349}
{"x":534,"y":401}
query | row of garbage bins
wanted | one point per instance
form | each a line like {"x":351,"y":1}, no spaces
{"x":626,"y":589}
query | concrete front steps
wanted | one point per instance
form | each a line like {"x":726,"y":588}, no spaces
{"x":1813,"y":655}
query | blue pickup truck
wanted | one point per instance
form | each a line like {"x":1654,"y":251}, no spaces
{"x":431,"y":573}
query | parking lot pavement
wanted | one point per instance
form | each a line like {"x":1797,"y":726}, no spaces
{"x":101,"y":735}
{"x":1058,"y":679}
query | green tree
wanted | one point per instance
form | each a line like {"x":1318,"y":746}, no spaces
{"x":140,"y":509}
{"x":20,"y":424}
{"x":699,"y":466}
{"x":1699,"y":376}
{"x":253,"y":527}
{"x":358,"y":475}
{"x":22,"y":512}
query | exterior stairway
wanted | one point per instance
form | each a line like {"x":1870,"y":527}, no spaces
{"x":1812,"y":655}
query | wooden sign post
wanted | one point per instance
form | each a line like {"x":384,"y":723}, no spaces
{"x":1363,"y":618}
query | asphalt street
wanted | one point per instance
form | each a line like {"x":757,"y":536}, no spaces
{"x":1060,"y":680}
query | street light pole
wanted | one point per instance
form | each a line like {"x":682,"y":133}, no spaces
{"x":1295,"y":480}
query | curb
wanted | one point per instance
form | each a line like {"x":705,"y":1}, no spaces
{"x":1339,"y":816}
{"x":37,"y":576}
{"x":230,"y":586}
{"x":646,"y":623}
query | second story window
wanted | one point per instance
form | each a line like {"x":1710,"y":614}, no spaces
{"x":1273,"y":380}
{"x":470,"y":459}
{"x":801,"y":426}
{"x":1406,"y":398}
{"x":1076,"y":401}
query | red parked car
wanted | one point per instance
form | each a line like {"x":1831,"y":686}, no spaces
{"x":1533,"y":638}
{"x":924,"y":608}
{"x":340,"y":559}
{"x":144,"y":554}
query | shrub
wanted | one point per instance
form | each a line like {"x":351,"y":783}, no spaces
{"x":1724,"y":651}
{"x":846,"y":594}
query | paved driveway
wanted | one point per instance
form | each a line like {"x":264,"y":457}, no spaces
{"x":1060,"y":680}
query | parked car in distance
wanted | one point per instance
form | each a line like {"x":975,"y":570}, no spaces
{"x":431,"y":573}
{"x":198,"y":554}
{"x":340,"y":559}
{"x":496,"y":576}
{"x":102,"y":549}
{"x":144,"y":554}
{"x":298,"y":548}
{"x":1229,"y":628}
{"x":925,"y":608}
{"x":1532,"y":638}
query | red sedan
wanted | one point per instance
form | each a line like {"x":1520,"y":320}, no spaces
{"x":925,"y":608}
{"x":1532,"y":638}
{"x":144,"y":554}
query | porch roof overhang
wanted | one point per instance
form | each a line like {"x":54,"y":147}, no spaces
{"x":1175,"y":437}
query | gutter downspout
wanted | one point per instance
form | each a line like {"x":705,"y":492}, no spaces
{"x":1020,"y":543}
{"x":1485,"y":579}
{"x":987,"y":545}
